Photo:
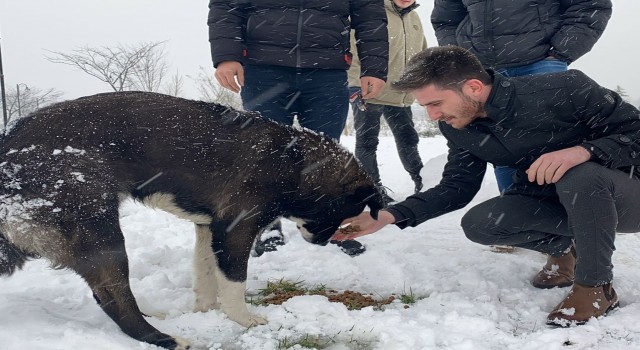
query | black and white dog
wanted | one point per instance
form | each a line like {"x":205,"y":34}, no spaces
{"x":65,"y":168}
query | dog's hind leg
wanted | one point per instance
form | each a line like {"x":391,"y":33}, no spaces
{"x":99,"y":256}
{"x":205,"y":271}
{"x":231,"y":247}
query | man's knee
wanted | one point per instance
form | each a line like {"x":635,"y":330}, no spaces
{"x":584,"y":177}
{"x":479,"y":226}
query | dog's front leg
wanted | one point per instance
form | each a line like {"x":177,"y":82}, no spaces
{"x":231,"y":248}
{"x":234,"y":305}
{"x":205,"y":270}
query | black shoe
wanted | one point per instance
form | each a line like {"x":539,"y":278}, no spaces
{"x":386,"y":198}
{"x":268,"y":245}
{"x":350,"y":247}
{"x":417,"y":180}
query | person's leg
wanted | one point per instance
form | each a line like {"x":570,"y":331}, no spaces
{"x":323,"y":101}
{"x":593,"y":203}
{"x":599,"y":201}
{"x":516,"y":220}
{"x":322,"y":105}
{"x":367,"y":126}
{"x":269,"y":90}
{"x":400,"y":121}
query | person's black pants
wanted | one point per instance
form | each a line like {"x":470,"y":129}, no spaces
{"x":588,"y":205}
{"x":400,"y":121}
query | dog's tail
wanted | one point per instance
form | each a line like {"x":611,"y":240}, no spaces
{"x":11,"y":257}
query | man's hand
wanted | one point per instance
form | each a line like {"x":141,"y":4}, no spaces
{"x":550,"y":167}
{"x":364,"y":224}
{"x":371,"y":87}
{"x":226,"y":73}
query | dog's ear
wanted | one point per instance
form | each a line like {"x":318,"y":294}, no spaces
{"x":372,"y":197}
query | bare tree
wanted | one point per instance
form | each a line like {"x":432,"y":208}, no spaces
{"x":211,"y":91}
{"x":150,"y":70}
{"x":174,"y":86}
{"x":140,"y":66}
{"x":27,"y":99}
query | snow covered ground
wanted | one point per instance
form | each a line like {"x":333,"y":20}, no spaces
{"x":468,"y":297}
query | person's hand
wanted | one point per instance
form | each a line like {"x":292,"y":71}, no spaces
{"x":226,"y":74}
{"x":550,"y":167}
{"x":371,"y":87}
{"x":363,"y":224}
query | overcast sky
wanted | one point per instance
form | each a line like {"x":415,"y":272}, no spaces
{"x":28,"y":28}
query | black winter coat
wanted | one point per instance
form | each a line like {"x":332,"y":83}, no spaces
{"x":526,"y":117}
{"x":299,"y":33}
{"x":509,"y":33}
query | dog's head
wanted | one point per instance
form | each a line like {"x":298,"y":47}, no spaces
{"x":333,"y":187}
{"x":319,"y":219}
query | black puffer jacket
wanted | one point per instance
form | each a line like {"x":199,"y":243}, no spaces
{"x":299,"y":33}
{"x":527,"y":117}
{"x":509,"y":33}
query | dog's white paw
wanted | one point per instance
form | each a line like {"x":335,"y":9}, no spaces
{"x":183,"y":344}
{"x":205,"y":305}
{"x":250,"y":320}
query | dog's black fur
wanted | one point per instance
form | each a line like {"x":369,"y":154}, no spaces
{"x":65,"y":168}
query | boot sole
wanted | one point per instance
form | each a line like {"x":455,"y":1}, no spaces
{"x":567,"y":323}
{"x":546,"y":286}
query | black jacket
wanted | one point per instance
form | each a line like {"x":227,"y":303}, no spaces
{"x":527,"y":117}
{"x":299,"y":33}
{"x":509,"y":33}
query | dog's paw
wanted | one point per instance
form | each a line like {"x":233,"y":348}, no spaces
{"x":182,"y":344}
{"x":251,"y":320}
{"x":205,"y":305}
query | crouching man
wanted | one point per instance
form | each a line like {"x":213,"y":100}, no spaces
{"x":576,"y":146}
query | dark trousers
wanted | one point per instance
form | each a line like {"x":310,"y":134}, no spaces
{"x":400,"y":120}
{"x":319,"y":97}
{"x":588,"y":205}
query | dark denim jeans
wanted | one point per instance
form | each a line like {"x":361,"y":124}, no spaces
{"x":504,"y":175}
{"x":319,"y":97}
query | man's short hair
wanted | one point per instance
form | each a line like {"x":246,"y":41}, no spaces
{"x":445,"y":67}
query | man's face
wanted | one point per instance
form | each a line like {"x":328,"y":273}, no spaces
{"x":454,"y":108}
{"x":403,"y":4}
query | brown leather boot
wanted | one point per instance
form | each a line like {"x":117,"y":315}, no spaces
{"x":582,"y":303}
{"x":557,"y":272}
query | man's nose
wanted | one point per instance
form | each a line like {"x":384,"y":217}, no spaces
{"x":434,"y":114}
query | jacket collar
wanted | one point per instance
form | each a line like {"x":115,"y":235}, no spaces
{"x":499,"y":105}
{"x":401,"y":12}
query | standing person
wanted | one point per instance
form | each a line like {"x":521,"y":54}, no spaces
{"x":521,"y":37}
{"x":290,"y":57}
{"x":576,"y":148}
{"x":406,"y":38}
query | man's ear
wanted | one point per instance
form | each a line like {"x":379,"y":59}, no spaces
{"x":473,"y":87}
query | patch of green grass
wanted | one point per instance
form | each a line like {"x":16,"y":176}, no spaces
{"x":282,"y":286}
{"x":409,"y":299}
{"x":307,"y":342}
{"x":321,"y":288}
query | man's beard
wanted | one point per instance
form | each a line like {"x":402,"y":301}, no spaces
{"x":472,"y":109}
{"x":469,"y":111}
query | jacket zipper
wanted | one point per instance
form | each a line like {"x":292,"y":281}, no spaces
{"x":299,"y":36}
{"x":488,"y":32}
